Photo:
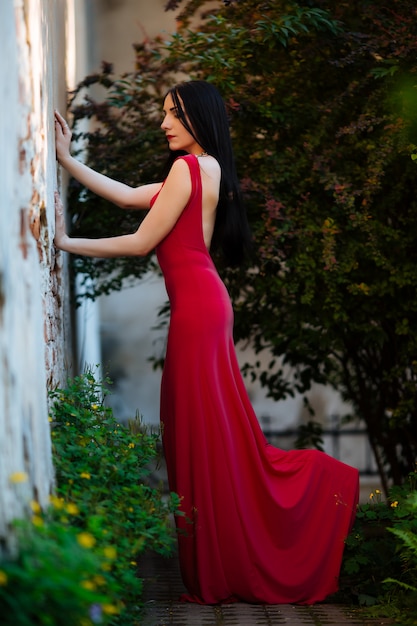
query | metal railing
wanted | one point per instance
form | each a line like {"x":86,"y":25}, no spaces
{"x":333,"y":436}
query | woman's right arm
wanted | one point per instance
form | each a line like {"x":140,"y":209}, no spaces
{"x":120,"y":194}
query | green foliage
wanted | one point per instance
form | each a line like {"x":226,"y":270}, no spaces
{"x":310,"y":435}
{"x":79,"y":561}
{"x":323,"y":149}
{"x":102,"y":466}
{"x":323,"y":129}
{"x":373,"y":550}
{"x":54,"y":579}
{"x":405,"y":582}
{"x":369,"y":553}
{"x":126,"y":144}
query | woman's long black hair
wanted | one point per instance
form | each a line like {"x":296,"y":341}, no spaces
{"x":202,"y":111}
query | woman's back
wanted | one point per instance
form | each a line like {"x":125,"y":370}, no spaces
{"x":210,"y":181}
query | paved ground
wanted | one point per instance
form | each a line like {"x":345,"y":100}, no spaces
{"x":163,"y":587}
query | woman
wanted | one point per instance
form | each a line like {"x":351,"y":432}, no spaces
{"x":258,"y":524}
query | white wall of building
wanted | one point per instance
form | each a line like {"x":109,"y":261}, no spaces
{"x":35,"y":324}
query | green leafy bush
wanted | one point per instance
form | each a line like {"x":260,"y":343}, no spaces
{"x":56,"y":578}
{"x":370,"y":552}
{"x":405,"y":580}
{"x":102,"y":466}
{"x":77,"y":561}
{"x":373,"y":550}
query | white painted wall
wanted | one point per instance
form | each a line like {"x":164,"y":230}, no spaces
{"x":117,"y":24}
{"x":35,"y":327}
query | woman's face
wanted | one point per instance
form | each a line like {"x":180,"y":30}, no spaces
{"x":177,"y":135}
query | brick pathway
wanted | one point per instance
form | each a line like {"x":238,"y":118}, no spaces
{"x":163,"y":586}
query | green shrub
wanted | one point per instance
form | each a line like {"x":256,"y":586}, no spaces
{"x":102,"y":466}
{"x":405,"y":581}
{"x":374,"y":558}
{"x":56,"y":578}
{"x":370,"y":552}
{"x":77,"y":561}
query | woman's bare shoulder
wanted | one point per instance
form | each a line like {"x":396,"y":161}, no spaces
{"x":210,"y":166}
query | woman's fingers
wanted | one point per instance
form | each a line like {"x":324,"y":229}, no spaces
{"x":63,"y":137}
{"x":58,"y":117}
{"x":61,"y":123}
{"x":59,"y":120}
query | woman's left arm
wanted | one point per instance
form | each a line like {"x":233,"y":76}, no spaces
{"x":160,"y":220}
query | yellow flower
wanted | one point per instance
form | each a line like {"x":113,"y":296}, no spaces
{"x":72,"y":508}
{"x":106,"y":567}
{"x":377,"y":491}
{"x":3,"y":578}
{"x":110,"y":609}
{"x":18,"y":477}
{"x":94,"y":407}
{"x":133,"y":563}
{"x":35,"y":506}
{"x":110,"y":553}
{"x":37,"y":521}
{"x":131,"y":445}
{"x":57,"y":503}
{"x":85,"y":475}
{"x":394,"y":504}
{"x":371,"y":495}
{"x":50,"y":419}
{"x":86,"y":540}
{"x":88,"y":584}
{"x":99,"y":580}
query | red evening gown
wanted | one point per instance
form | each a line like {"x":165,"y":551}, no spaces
{"x":259,"y":524}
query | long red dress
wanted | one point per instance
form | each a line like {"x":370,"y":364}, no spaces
{"x":260,"y":525}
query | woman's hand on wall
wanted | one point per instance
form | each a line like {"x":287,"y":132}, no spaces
{"x":62,"y":138}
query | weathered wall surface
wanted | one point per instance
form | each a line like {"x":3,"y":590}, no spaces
{"x":34,"y":329}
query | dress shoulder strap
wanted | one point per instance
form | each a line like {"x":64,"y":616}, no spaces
{"x":192,"y":162}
